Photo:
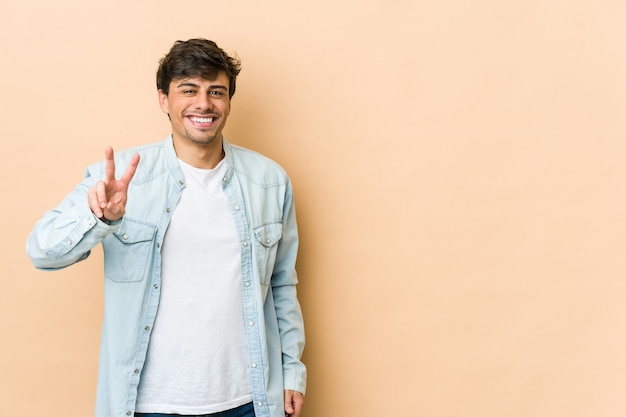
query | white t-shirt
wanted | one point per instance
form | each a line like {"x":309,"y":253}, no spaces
{"x":197,"y":357}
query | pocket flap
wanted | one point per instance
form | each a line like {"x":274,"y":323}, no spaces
{"x":269,"y":234}
{"x":132,"y":231}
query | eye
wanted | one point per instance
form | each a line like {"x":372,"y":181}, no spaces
{"x":216,"y":93}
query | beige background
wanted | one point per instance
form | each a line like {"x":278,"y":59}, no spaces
{"x":459,"y":175}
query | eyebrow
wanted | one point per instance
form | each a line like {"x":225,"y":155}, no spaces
{"x":192,"y":84}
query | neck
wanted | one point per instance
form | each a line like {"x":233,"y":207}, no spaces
{"x":205,"y":156}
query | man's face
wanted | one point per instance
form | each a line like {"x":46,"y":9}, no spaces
{"x":198,"y":109}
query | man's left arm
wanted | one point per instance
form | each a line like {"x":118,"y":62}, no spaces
{"x":288,"y":311}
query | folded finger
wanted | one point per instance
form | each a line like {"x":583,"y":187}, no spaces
{"x":92,"y":200}
{"x":101,"y":194}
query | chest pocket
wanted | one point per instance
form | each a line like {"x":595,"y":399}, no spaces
{"x":267,"y":238}
{"x":129,"y":251}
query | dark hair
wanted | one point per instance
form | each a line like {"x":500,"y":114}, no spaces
{"x":196,"y":58}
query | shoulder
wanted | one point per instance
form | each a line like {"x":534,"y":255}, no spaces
{"x":257,"y":167}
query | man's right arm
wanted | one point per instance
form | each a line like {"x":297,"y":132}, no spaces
{"x":66,"y":234}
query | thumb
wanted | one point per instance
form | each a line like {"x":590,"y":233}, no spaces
{"x":289,"y":402}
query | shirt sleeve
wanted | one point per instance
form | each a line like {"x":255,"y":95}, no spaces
{"x":288,"y":311}
{"x":67,"y":234}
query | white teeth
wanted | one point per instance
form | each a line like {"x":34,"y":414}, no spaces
{"x":202,"y":119}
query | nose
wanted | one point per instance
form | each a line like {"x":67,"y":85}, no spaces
{"x":203,"y":102}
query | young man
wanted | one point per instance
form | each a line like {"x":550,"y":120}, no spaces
{"x":200,"y":242}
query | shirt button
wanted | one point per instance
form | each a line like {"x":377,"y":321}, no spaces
{"x":181,"y":182}
{"x":237,"y":208}
{"x":136,"y":370}
{"x":129,"y":413}
{"x":156,"y":286}
{"x":260,"y":404}
{"x":245,"y":244}
{"x":158,"y":245}
{"x":247,"y":284}
{"x":146,"y":328}
{"x":254,"y":365}
{"x":251,"y":324}
{"x":125,"y":236}
{"x":167,"y":210}
{"x":69,"y":242}
{"x":268,"y":241}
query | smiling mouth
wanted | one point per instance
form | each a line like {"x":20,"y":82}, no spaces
{"x":201,"y":119}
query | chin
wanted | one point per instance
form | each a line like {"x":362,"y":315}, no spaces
{"x":203,"y":141}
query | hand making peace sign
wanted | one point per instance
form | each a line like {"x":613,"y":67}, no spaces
{"x":107,"y":199}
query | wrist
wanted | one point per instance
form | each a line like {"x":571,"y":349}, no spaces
{"x":105,"y":220}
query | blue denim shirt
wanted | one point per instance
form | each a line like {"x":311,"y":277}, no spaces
{"x":261,"y":200}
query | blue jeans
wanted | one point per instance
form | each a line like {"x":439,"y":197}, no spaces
{"x":246,"y":410}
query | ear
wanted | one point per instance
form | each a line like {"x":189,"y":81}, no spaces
{"x":163,"y":102}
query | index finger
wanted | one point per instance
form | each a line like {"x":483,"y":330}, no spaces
{"x":109,"y":164}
